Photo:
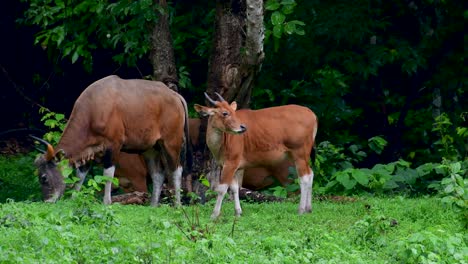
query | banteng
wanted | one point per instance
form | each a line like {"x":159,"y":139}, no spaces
{"x":251,"y":138}
{"x":113,"y":115}
{"x":132,"y":174}
{"x":255,"y":178}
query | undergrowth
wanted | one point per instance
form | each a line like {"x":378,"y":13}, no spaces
{"x":366,"y":230}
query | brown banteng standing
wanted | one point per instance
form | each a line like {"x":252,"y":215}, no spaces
{"x":114,"y":115}
{"x":252,"y":138}
{"x":131,"y":169}
{"x":255,"y":178}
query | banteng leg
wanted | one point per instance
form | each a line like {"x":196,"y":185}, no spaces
{"x":170,"y":156}
{"x":177,"y":176}
{"x":227,"y":175}
{"x":81,"y":172}
{"x":306,"y":177}
{"x":235,"y":184}
{"x":109,"y":172}
{"x":109,"y":169}
{"x":154,"y":169}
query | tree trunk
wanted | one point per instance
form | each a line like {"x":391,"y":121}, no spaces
{"x":237,"y":52}
{"x":236,"y":58}
{"x":162,"y":51}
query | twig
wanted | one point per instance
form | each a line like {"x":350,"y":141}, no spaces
{"x":19,"y":90}
{"x":233,"y":225}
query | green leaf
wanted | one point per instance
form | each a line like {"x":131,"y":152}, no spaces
{"x":277,"y":31}
{"x":288,"y":9}
{"x":297,"y":22}
{"x":289,"y":28}
{"x":459,"y":180}
{"x":75,"y":57}
{"x":277,"y":18}
{"x":459,"y":190}
{"x":390,"y":185}
{"x":377,"y":144}
{"x":462,"y":131}
{"x":66,"y":171}
{"x":449,"y":188}
{"x":455,"y":167}
{"x":446,"y":181}
{"x":360,"y":177}
{"x":425,"y":169}
{"x":59,"y":117}
{"x":300,"y":32}
{"x":344,"y":179}
{"x":272,"y":5}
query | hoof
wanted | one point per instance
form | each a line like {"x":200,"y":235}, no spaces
{"x":304,"y":211}
{"x":214,"y":216}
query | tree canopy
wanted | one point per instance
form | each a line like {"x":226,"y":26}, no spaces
{"x":368,"y":68}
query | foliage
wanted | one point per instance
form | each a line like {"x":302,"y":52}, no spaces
{"x":278,"y":25}
{"x":78,"y":29}
{"x":387,"y":60}
{"x":18,"y":181}
{"x":55,"y":122}
{"x":71,"y":232}
{"x":453,"y":188}
{"x":371,"y":229}
{"x":434,"y":246}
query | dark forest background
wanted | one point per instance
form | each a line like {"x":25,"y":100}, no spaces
{"x":367,"y":68}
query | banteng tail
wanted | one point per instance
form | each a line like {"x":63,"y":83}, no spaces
{"x":186,"y":155}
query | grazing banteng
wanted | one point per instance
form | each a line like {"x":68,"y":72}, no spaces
{"x":114,"y":115}
{"x":249,"y":138}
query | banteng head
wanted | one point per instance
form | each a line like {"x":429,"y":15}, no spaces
{"x":222,"y":115}
{"x":50,"y":178}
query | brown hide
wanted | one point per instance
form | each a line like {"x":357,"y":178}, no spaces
{"x":270,"y":132}
{"x":245,"y":139}
{"x":255,"y":178}
{"x":115,"y":115}
{"x":131,"y":172}
{"x":131,"y":169}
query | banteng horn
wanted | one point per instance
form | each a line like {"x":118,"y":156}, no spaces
{"x":220,"y":97}
{"x":210,"y":100}
{"x":50,"y":154}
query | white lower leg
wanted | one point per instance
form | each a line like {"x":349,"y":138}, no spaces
{"x":221,"y":189}
{"x":158,"y":180}
{"x":177,"y":176}
{"x":306,"y":189}
{"x":108,"y":188}
{"x":308,"y":207}
{"x":81,"y":175}
{"x":235,"y":192}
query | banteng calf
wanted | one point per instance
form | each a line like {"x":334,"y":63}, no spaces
{"x":252,"y":138}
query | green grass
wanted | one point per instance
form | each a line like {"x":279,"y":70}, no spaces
{"x":17,"y":178}
{"x":370,"y":230}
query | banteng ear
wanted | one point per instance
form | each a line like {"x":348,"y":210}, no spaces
{"x":203,"y":110}
{"x":234,"y":105}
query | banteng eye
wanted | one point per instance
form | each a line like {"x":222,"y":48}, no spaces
{"x":225,"y":113}
{"x":43,"y":178}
